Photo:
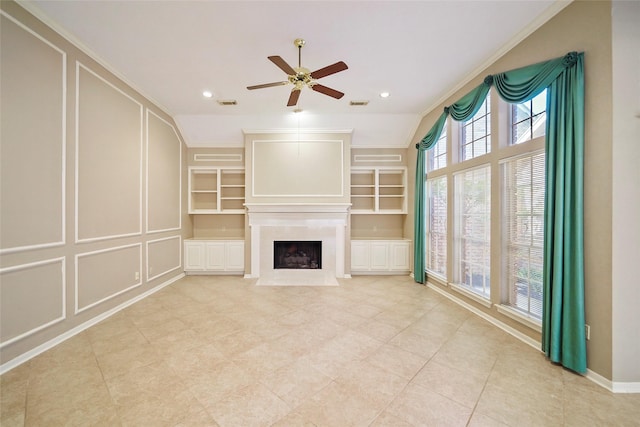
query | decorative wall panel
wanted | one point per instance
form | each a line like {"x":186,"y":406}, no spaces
{"x":163,"y":256}
{"x":32,"y":150}
{"x":109,"y":160}
{"x":102,"y":275}
{"x":164,"y":163}
{"x":32,"y":297}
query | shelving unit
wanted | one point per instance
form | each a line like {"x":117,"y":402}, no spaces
{"x":379,"y":190}
{"x":215,"y":190}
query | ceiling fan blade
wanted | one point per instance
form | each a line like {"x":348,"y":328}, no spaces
{"x":328,"y":70}
{"x":281,"y":63}
{"x":267,"y":85}
{"x":327,"y":91}
{"x":293,"y":98}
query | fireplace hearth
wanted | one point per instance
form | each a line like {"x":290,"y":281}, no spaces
{"x":298,"y":254}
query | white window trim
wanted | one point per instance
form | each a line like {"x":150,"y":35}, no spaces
{"x":520,"y":317}
{"x":471,"y":295}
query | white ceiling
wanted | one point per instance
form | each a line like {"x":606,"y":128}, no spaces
{"x":171,"y":51}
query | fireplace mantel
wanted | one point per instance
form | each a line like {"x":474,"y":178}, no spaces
{"x":297,"y":221}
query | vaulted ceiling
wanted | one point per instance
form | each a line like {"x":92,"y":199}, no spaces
{"x":172,"y":51}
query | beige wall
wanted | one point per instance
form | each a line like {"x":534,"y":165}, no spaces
{"x":92,"y":176}
{"x":581,"y":26}
{"x":626,"y":176}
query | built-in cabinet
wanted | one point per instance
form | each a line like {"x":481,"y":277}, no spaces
{"x":213,"y":256}
{"x":380,"y":256}
{"x":216,"y":190}
{"x":379,"y":190}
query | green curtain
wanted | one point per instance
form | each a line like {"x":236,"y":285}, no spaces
{"x":563,"y":318}
{"x":563,"y":332}
{"x":419,"y":217}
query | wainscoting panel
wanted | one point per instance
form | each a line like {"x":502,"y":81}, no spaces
{"x":32,"y":297}
{"x":104,"y":274}
{"x":163,"y":256}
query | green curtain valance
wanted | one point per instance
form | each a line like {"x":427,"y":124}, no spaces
{"x":563,"y":318}
{"x":513,"y":86}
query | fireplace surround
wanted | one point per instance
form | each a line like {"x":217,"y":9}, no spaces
{"x":325,"y":223}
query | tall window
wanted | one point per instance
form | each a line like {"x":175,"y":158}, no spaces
{"x":436,"y":261}
{"x":475,"y":137}
{"x":438,"y":154}
{"x":523,"y":221}
{"x":528,"y":119}
{"x":473,"y":230}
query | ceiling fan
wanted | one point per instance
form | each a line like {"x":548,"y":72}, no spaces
{"x":300,"y":76}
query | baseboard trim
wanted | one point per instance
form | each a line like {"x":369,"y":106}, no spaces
{"x":74,"y":331}
{"x":613,"y":386}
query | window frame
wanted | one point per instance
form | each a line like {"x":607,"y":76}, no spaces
{"x":501,"y":149}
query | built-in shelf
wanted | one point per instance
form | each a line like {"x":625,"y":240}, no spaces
{"x":216,"y":190}
{"x":379,"y":190}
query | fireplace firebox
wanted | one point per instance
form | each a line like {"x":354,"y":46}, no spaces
{"x":297,"y":254}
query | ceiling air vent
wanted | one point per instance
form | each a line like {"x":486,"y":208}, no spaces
{"x":227,"y":102}
{"x":359,"y":103}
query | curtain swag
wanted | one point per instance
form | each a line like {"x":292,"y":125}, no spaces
{"x":563,"y":334}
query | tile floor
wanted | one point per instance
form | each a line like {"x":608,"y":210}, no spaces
{"x":374,"y":351}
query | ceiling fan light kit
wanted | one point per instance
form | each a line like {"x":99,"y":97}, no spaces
{"x":300,"y":76}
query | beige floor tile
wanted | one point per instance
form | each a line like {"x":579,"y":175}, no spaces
{"x":214,"y":383}
{"x":129,"y":337}
{"x":397,"y":361}
{"x":515,"y":407}
{"x":378,"y":385}
{"x":124,"y":360}
{"x":13,"y":395}
{"x":380,"y":331}
{"x":200,"y":419}
{"x":237,"y":342}
{"x":339,"y":405}
{"x":423,"y":407}
{"x":374,"y":351}
{"x":470,"y":355}
{"x":251,"y":406}
{"x":293,"y":419}
{"x":167,"y":408}
{"x":459,"y":386}
{"x":479,"y":420}
{"x":417,"y":344}
{"x":387,"y":420}
{"x":295,"y":382}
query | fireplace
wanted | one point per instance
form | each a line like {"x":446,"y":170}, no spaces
{"x":297,"y":254}
{"x":300,"y":223}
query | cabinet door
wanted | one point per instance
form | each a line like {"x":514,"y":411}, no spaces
{"x":379,"y":256}
{"x":235,"y":256}
{"x":359,"y":256}
{"x":194,"y":253}
{"x":215,"y":256}
{"x":399,"y":259}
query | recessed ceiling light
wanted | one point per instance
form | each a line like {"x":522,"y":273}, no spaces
{"x":384,"y":94}
{"x":207,"y":94}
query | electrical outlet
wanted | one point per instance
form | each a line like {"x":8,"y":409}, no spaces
{"x":137,"y":275}
{"x":587,"y":331}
